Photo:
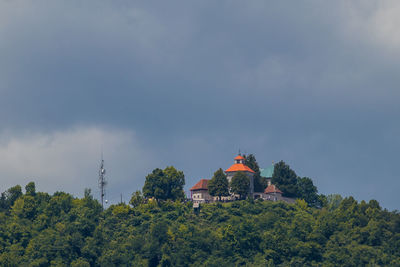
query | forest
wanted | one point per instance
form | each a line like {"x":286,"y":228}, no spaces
{"x":39,"y":229}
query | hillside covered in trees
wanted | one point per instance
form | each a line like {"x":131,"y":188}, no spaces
{"x":38,"y":229}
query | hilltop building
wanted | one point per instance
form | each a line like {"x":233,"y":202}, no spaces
{"x":239,"y":166}
{"x":200,"y":194}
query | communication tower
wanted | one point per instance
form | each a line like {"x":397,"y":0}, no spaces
{"x":102,"y":181}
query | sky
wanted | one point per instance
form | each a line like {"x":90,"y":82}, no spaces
{"x":189,"y":83}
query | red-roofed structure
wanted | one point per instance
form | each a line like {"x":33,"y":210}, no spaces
{"x":200,"y":193}
{"x":201,"y":185}
{"x":239,"y":157}
{"x":272,"y":189}
{"x":239,"y":166}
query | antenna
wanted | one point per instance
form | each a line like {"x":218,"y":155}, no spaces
{"x":102,"y":180}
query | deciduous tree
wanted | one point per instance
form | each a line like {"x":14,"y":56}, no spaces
{"x":218,"y":185}
{"x":165,"y":184}
{"x":240,"y":184}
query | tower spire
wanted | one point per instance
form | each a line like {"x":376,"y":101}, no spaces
{"x":102,"y":180}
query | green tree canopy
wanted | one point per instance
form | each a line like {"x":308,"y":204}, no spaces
{"x":63,"y":230}
{"x":240,"y":184}
{"x":285,"y":179}
{"x":218,"y":185}
{"x":165,"y":184}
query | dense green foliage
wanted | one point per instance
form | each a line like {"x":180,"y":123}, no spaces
{"x":39,"y":229}
{"x":240,"y":184}
{"x":293,"y":186}
{"x":165,"y":184}
{"x":218,"y":185}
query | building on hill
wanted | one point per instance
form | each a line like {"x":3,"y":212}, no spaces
{"x":199,"y":192}
{"x":239,"y":166}
{"x":273,"y":193}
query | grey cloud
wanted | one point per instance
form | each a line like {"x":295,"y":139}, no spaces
{"x":312,"y":83}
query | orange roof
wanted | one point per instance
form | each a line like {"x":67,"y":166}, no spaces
{"x":239,"y":167}
{"x":239,"y":157}
{"x":272,"y":189}
{"x":202,"y":184}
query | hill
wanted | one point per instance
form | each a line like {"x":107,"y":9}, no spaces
{"x":38,"y":229}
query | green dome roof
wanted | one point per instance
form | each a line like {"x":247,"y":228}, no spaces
{"x":267,"y":172}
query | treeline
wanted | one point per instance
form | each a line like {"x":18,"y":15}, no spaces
{"x":38,"y":229}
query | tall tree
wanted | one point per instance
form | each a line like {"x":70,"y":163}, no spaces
{"x":251,"y":162}
{"x":308,"y":191}
{"x":218,"y":185}
{"x":260,"y":183}
{"x":165,"y":184}
{"x":240,"y":184}
{"x":30,"y":189}
{"x":285,"y":179}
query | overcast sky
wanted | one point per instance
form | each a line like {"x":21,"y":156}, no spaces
{"x":189,"y":83}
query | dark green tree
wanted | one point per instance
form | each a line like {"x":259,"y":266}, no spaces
{"x":218,"y":185}
{"x":308,"y":191}
{"x":285,"y":179}
{"x":251,"y":162}
{"x":165,"y":184}
{"x":240,"y":184}
{"x":260,"y":183}
{"x":8,"y":197}
{"x":30,"y":189}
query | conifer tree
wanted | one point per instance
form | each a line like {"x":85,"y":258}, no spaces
{"x":285,"y":179}
{"x":260,"y":183}
{"x":308,"y":191}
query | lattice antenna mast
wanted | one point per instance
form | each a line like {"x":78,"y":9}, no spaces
{"x":102,"y":181}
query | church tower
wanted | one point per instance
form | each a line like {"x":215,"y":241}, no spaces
{"x":239,"y":166}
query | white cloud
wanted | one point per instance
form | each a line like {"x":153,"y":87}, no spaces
{"x":69,"y":160}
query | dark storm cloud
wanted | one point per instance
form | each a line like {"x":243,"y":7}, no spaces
{"x":311,"y":83}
